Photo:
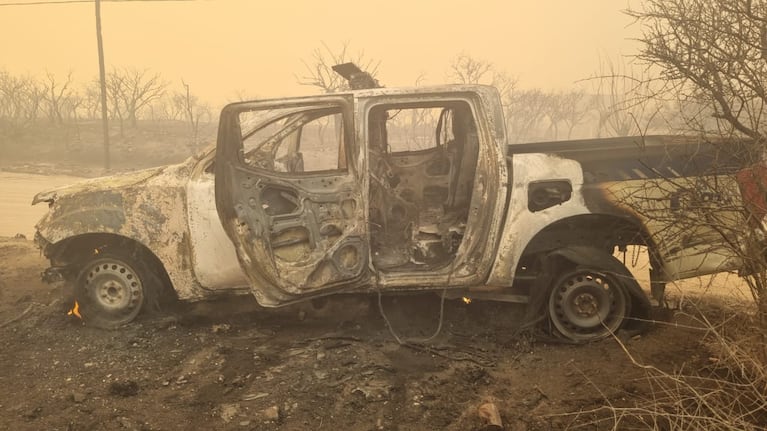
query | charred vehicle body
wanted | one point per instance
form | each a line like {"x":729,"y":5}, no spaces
{"x":388,"y":190}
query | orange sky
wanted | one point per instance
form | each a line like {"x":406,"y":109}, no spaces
{"x":255,"y":48}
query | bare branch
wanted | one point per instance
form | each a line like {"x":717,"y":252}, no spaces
{"x":319,"y":69}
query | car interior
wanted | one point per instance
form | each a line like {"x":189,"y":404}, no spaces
{"x":423,"y":161}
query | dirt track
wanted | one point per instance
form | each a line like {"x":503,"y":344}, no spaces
{"x":231,"y":365}
{"x":17,"y":215}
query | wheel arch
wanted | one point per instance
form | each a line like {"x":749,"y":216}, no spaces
{"x":73,"y":250}
{"x":603,"y":231}
{"x":582,"y":240}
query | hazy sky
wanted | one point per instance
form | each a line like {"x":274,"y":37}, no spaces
{"x":226,"y":47}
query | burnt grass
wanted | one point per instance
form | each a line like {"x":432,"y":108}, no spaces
{"x":229,"y":364}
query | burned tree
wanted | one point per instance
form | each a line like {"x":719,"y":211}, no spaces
{"x":466,"y":69}
{"x":57,"y":96}
{"x":525,"y":111}
{"x":566,"y":108}
{"x":21,"y":98}
{"x":192,"y":111}
{"x":319,"y":71}
{"x":624,"y":99}
{"x":131,"y":90}
{"x":115,"y":88}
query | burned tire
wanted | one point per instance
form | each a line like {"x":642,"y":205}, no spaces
{"x":587,"y":304}
{"x":111,"y":289}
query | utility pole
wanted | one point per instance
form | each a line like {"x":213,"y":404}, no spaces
{"x":102,"y":78}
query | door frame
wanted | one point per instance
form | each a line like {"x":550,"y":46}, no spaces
{"x":476,"y":254}
{"x":337,"y":195}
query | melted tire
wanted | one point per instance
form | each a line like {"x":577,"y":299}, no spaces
{"x":587,"y":305}
{"x":111,"y":290}
{"x":558,"y":264}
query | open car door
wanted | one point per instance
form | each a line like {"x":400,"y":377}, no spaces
{"x":289,"y":200}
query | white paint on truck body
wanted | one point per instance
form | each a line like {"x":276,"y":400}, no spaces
{"x":214,"y":258}
{"x":521,"y":224}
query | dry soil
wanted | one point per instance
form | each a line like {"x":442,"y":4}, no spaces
{"x":230,"y":365}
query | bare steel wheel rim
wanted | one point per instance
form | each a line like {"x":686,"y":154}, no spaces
{"x":587,"y":305}
{"x":114,"y":287}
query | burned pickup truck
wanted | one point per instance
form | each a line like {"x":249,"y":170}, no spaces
{"x":387,"y":190}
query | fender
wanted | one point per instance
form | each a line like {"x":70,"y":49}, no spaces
{"x":148,"y":207}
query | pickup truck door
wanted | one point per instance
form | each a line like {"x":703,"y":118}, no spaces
{"x":289,"y":201}
{"x":464,"y":190}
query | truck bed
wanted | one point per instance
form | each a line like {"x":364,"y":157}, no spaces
{"x":642,"y":157}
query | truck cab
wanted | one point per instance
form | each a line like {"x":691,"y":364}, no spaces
{"x":391,"y":190}
{"x":377,"y":189}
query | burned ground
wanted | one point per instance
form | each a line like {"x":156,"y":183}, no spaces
{"x":228,"y":364}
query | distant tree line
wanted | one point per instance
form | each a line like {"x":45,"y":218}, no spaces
{"x":613,"y":102}
{"x":132,"y":95}
{"x":617,"y":100}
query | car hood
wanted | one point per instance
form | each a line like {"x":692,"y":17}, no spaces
{"x":138,"y":205}
{"x":112,"y":182}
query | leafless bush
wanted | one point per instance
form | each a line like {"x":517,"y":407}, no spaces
{"x":626,"y":98}
{"x":711,"y":56}
{"x":319,"y":71}
{"x":728,"y":392}
{"x":713,"y":51}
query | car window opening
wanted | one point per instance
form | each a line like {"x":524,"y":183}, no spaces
{"x":422,"y":166}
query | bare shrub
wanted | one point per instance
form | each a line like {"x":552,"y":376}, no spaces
{"x":712,"y":56}
{"x":727,"y":392}
{"x":319,"y":71}
{"x":625,"y":98}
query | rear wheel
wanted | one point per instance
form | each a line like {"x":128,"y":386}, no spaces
{"x":587,"y":304}
{"x":111,"y":290}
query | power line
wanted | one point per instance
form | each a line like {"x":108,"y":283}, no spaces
{"x":46,"y":2}
{"x":49,"y":2}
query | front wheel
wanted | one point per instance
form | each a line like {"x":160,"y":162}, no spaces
{"x":111,"y":290}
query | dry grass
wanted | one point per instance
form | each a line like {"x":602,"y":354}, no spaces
{"x":728,"y":391}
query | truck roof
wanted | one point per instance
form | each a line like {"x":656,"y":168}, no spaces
{"x":384,"y":91}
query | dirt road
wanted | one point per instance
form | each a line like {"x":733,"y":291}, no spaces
{"x":17,"y":215}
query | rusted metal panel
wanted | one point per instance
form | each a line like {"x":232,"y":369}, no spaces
{"x":295,"y":234}
{"x":640,"y":180}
